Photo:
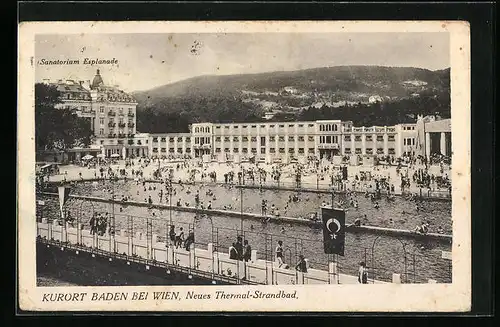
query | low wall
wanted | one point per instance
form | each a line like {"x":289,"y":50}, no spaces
{"x":211,"y":262}
{"x":254,"y":216}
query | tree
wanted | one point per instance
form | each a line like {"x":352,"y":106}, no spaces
{"x":57,"y":129}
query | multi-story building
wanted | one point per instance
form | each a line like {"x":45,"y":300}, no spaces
{"x":111,"y":114}
{"x":170,"y":145}
{"x":286,"y":141}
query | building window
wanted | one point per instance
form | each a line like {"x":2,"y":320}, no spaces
{"x":272,"y":150}
{"x":369,"y":150}
{"x":254,"y":150}
{"x":262,"y":150}
{"x":262,"y":126}
{"x":244,"y":139}
{"x":163,"y":139}
{"x":282,"y":150}
{"x":311,"y":150}
{"x":392,"y":151}
{"x":163,"y":150}
{"x":271,"y":126}
{"x":101,"y":109}
{"x":380,"y":138}
{"x":357,"y":138}
{"x":235,"y":139}
{"x":171,"y":150}
{"x":335,"y":139}
{"x":328,"y":139}
{"x":391,"y":138}
{"x":369,"y":138}
{"x":301,"y":139}
{"x":301,"y":150}
{"x":217,"y":150}
{"x":301,"y":125}
{"x":217,"y":127}
{"x":196,"y":141}
{"x":155,"y":139}
{"x":281,"y":139}
{"x":217,"y":139}
{"x":291,"y":125}
{"x":226,"y":150}
{"x":236,"y":127}
{"x":254,"y":126}
{"x":310,"y":138}
{"x":188,"y":150}
{"x":171,"y":139}
{"x":347,"y":138}
{"x":290,"y":138}
{"x":121,"y":111}
{"x":179,"y":150}
{"x":188,"y":139}
{"x":196,"y":130}
{"x":155,"y":149}
{"x":282,"y":126}
{"x":358,"y":150}
{"x":101,"y":131}
{"x":226,"y":127}
{"x":226,"y":138}
{"x":380,"y":151}
{"x":235,"y":150}
{"x":347,"y":150}
{"x":244,"y":126}
{"x":244,"y":150}
{"x":101,"y":121}
{"x":310,"y":125}
{"x":102,"y":142}
{"x":253,"y":139}
{"x":179,"y":139}
{"x":291,"y":150}
{"x":272,"y":138}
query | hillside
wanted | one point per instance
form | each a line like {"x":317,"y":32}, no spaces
{"x":248,"y":96}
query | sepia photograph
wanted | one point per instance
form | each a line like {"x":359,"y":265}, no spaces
{"x":211,"y":158}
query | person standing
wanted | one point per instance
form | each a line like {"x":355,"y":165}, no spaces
{"x":301,"y":265}
{"x":362,"y":273}
{"x":239,"y":247}
{"x":247,"y":251}
{"x":279,"y":254}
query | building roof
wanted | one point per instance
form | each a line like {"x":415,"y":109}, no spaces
{"x":97,"y":81}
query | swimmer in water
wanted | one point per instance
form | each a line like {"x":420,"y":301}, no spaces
{"x":282,"y":230}
{"x":251,"y":226}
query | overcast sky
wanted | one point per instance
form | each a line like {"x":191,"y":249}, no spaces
{"x":149,"y":60}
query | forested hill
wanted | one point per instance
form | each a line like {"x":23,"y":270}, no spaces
{"x":294,"y":94}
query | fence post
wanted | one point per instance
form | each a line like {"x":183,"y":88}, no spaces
{"x":432,"y":281}
{"x":333,"y":277}
{"x":396,"y":278}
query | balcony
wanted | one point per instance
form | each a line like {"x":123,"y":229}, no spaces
{"x":130,"y":135}
{"x":111,"y":113}
{"x":121,"y":136}
{"x":111,"y":124}
{"x":391,"y":129}
{"x":122,"y":125}
{"x":130,"y":114}
{"x":328,"y":146}
{"x":131,"y":124}
{"x":111,"y":135}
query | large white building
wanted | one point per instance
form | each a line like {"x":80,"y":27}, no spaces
{"x":111,"y":114}
{"x":285,"y":141}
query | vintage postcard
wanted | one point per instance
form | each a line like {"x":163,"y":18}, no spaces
{"x":244,"y":166}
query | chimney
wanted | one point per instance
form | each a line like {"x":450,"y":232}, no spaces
{"x":46,"y":81}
